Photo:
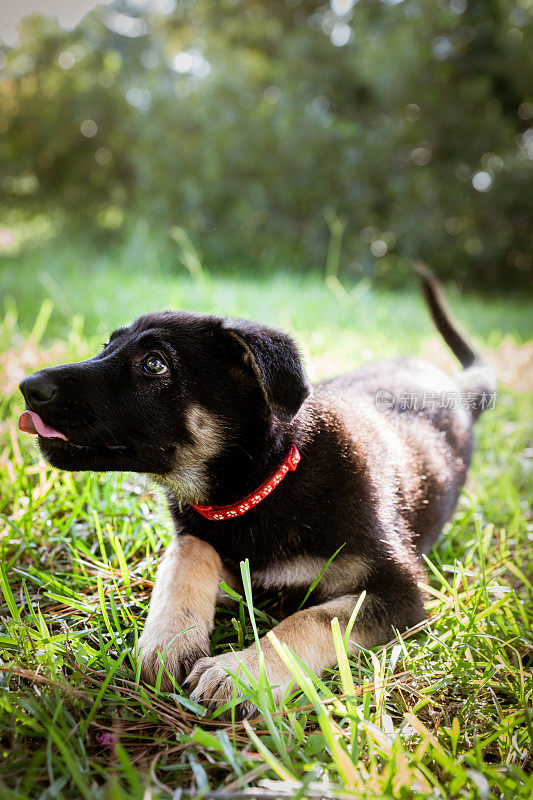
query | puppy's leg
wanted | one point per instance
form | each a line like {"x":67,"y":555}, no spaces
{"x":182,"y":608}
{"x":308,"y":634}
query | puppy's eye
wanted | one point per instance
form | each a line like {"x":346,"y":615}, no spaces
{"x":154,"y":365}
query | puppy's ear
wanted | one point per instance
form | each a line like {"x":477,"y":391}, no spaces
{"x":276,"y":363}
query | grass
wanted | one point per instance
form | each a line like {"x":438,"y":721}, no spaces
{"x":444,"y":711}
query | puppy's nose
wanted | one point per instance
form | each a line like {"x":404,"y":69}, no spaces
{"x":37,"y":390}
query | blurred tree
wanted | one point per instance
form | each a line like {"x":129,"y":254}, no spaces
{"x":244,"y":121}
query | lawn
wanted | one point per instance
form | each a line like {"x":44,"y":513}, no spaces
{"x":444,"y":711}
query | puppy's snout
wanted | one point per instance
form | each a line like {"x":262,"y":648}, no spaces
{"x":38,"y":389}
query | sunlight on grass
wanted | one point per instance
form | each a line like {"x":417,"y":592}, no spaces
{"x":439,"y":712}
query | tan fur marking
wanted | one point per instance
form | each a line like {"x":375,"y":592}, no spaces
{"x":183,"y":598}
{"x":231,"y":580}
{"x":187,"y":481}
{"x":307,"y":633}
{"x":343,"y":574}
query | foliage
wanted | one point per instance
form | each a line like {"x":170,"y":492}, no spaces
{"x":442,"y":712}
{"x":253,"y":124}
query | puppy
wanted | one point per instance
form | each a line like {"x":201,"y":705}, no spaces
{"x":257,"y":464}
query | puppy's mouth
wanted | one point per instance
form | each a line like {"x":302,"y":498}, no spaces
{"x":31,"y":422}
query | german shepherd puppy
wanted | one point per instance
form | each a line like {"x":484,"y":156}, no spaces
{"x":257,"y":464}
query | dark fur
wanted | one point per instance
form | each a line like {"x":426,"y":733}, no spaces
{"x":380,"y":484}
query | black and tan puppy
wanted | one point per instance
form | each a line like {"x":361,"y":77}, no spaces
{"x":218,"y":412}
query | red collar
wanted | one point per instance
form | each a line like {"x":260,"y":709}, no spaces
{"x":253,"y":499}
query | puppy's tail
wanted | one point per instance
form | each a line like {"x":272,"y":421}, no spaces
{"x":442,"y":317}
{"x":478,"y":377}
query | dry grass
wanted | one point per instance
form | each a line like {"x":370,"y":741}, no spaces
{"x":444,"y":711}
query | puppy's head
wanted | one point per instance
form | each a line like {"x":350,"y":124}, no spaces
{"x":165,"y":396}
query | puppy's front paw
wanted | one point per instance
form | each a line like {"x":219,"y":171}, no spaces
{"x":212,"y":685}
{"x":179,"y":647}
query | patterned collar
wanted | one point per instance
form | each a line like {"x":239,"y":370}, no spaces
{"x":250,"y":501}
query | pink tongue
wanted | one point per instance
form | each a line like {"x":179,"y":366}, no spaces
{"x":30,"y":422}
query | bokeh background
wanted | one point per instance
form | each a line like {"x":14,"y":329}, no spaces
{"x":266,"y":130}
{"x":281,"y":160}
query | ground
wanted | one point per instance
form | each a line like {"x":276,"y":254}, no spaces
{"x":444,"y":711}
